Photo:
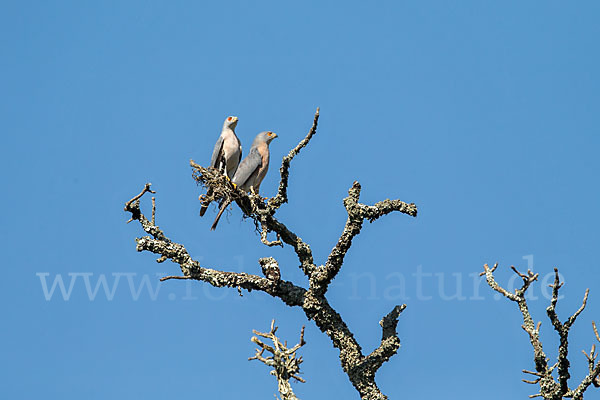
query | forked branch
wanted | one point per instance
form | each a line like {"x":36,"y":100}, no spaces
{"x":283,"y":360}
{"x":551,"y":388}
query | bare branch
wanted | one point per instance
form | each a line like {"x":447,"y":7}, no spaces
{"x":572,"y":318}
{"x":528,"y":279}
{"x":593,"y":376}
{"x":281,"y":196}
{"x":166,"y":278}
{"x":135,"y":199}
{"x":254,"y":207}
{"x":301,"y":342}
{"x":357,"y":214}
{"x":532,"y":382}
{"x":139,"y":196}
{"x":301,"y":248}
{"x":532,"y":373}
{"x":551,"y":310}
{"x":283,"y":360}
{"x":485,"y":268}
{"x":159,"y":244}
{"x":390,"y":343}
{"x":550,"y":389}
{"x":563,"y":331}
{"x":263,"y":237}
{"x":153,"y":210}
{"x":541,"y":365}
{"x":488,"y":272}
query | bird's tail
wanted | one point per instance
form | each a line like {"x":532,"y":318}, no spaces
{"x":203,"y":209}
{"x":205,"y":204}
{"x":223,"y":207}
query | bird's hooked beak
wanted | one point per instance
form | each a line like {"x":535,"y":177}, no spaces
{"x":272,"y":135}
{"x":231,"y":121}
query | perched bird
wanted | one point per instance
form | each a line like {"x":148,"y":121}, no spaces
{"x":226,"y":155}
{"x":252,"y":169}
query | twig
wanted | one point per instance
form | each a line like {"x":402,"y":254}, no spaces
{"x":281,"y":196}
{"x":139,"y":196}
{"x":166,"y":278}
{"x":153,"y":209}
{"x":263,"y":236}
{"x":136,"y":199}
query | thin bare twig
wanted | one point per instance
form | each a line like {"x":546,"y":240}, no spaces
{"x":166,"y":278}
{"x":136,"y":199}
{"x":139,"y":196}
{"x":281,"y":196}
{"x":153,"y":210}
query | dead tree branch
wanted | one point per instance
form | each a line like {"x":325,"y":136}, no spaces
{"x":360,"y":368}
{"x":551,"y":388}
{"x":283,"y":360}
{"x":357,"y":214}
{"x":281,"y":196}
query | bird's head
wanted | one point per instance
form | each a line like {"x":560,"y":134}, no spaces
{"x":230,"y":122}
{"x":268,"y":136}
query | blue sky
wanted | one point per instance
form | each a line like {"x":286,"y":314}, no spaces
{"x":484,"y":114}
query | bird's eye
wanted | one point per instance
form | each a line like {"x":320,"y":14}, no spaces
{"x":229,"y":119}
{"x":270,"y":133}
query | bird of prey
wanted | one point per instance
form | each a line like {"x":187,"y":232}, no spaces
{"x":252,"y":169}
{"x":226,"y":155}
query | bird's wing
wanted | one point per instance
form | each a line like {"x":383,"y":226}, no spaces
{"x":263,"y":150}
{"x":251,"y":163}
{"x":216,"y":155}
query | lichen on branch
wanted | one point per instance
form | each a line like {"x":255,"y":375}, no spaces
{"x":283,"y":360}
{"x":551,"y":387}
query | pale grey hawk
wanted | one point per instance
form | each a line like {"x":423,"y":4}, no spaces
{"x":227,"y":154}
{"x":252,"y":169}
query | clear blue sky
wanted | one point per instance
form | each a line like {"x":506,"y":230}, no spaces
{"x":485,"y":114}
